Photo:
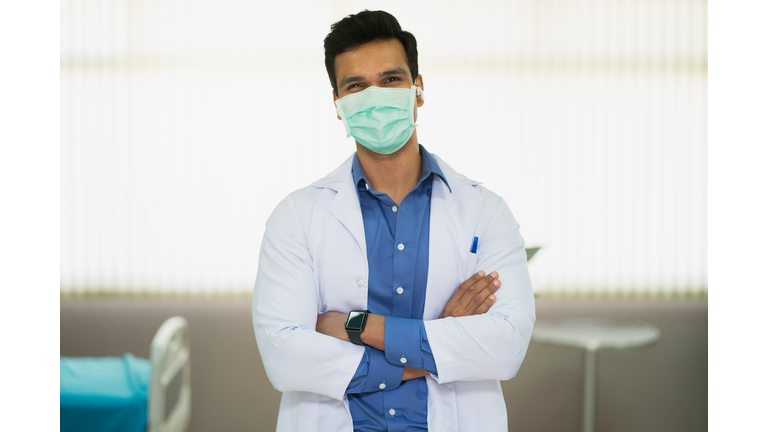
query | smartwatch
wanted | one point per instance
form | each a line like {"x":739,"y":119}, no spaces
{"x":356,"y":324}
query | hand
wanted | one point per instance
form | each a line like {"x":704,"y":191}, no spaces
{"x":474,"y":296}
{"x":333,"y":324}
{"x":411,"y":373}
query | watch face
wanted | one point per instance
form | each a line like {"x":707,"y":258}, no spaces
{"x":356,"y":320}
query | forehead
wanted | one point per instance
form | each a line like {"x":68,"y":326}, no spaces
{"x":370,"y":58}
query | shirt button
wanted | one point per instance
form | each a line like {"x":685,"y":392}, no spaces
{"x":359,"y":283}
{"x":401,"y":246}
{"x":394,"y":209}
{"x":400,"y":290}
{"x":391,"y":412}
{"x":403,"y":360}
{"x":382,"y":386}
{"x":366,"y":187}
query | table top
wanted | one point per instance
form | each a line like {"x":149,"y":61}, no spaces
{"x":594,"y":333}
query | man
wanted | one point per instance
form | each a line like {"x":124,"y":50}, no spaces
{"x":372,"y":307}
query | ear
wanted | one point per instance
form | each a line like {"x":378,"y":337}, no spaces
{"x":335,"y":98}
{"x":419,"y":82}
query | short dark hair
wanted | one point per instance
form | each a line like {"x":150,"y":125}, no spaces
{"x":367,"y":26}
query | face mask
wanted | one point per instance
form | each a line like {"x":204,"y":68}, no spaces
{"x":381,"y":119}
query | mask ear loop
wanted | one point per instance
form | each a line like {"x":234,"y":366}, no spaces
{"x":340,"y":113}
{"x":413,"y":103}
{"x":420,"y":92}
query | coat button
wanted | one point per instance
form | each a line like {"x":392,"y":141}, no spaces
{"x":359,"y":283}
{"x":400,"y":290}
{"x":401,"y":246}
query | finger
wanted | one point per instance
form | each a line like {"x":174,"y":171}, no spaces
{"x":486,"y":305}
{"x":477,"y":287}
{"x":477,"y":277}
{"x":480,"y":298}
{"x":459,"y":293}
{"x":489,"y":301}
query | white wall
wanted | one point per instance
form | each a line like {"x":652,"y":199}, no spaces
{"x":183,"y":123}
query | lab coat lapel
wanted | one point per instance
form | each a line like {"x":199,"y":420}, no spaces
{"x":453,"y":218}
{"x":345,"y":206}
{"x":452,"y":223}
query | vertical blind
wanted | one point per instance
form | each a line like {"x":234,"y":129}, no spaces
{"x":183,"y":124}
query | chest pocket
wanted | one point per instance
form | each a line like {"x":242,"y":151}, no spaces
{"x":471,"y":266}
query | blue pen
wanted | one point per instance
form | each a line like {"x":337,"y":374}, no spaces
{"x":474,"y":246}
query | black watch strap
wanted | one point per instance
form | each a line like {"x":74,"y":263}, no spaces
{"x":354,"y":337}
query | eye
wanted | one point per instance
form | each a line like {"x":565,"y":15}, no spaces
{"x":351,"y":86}
{"x":392,"y":79}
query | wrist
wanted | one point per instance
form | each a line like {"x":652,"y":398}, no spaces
{"x":411,"y":373}
{"x":373,"y":334}
{"x":343,"y":318}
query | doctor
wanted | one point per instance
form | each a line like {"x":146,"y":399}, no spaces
{"x":378,"y":304}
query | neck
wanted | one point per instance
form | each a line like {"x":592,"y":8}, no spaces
{"x":395,"y":174}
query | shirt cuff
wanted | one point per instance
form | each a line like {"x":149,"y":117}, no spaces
{"x":381,"y":374}
{"x":374,"y":373}
{"x":402,"y":341}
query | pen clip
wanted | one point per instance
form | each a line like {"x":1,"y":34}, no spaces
{"x":474,"y":246}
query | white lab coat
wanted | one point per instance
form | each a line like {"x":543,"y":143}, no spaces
{"x":313,"y":260}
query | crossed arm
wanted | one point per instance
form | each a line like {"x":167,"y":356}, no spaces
{"x":474,"y":296}
{"x":298,"y":354}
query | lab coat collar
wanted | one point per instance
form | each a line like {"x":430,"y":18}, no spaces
{"x":346,"y":201}
{"x":429,"y":166}
{"x":342,"y":181}
{"x":345,"y":206}
{"x":451,"y":176}
{"x":339,"y":179}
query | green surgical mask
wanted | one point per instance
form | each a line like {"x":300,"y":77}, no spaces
{"x":381,"y":119}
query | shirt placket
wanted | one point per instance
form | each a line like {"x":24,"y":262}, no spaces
{"x":404,"y":258}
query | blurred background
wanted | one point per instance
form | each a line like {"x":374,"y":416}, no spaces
{"x":183,"y":124}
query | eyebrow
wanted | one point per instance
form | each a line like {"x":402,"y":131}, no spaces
{"x":395,"y":71}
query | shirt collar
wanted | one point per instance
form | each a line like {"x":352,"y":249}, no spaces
{"x":428,"y":166}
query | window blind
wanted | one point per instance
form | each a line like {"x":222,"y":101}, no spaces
{"x":183,"y":124}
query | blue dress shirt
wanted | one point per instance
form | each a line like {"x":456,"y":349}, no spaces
{"x":397,"y":242}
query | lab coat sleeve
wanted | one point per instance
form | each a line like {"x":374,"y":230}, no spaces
{"x":490,"y":346}
{"x":285,"y":307}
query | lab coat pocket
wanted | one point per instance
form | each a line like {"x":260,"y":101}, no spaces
{"x":471,"y":266}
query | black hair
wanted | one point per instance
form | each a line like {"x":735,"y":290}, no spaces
{"x":367,"y":26}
